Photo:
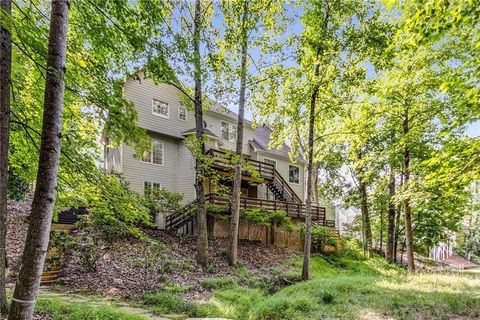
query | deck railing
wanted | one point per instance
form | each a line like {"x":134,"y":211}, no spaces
{"x":223,"y":161}
{"x":266,"y":171}
{"x":293,"y":209}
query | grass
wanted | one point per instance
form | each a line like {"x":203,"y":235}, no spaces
{"x":344,"y":287}
{"x":59,"y":309}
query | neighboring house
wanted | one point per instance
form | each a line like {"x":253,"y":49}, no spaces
{"x":170,"y":164}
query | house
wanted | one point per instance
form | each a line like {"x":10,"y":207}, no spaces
{"x":170,"y":164}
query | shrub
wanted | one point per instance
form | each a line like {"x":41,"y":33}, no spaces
{"x":162,"y":201}
{"x":165,"y":303}
{"x":113,"y":209}
{"x":271,"y":283}
{"x":259,"y":216}
{"x":59,"y":309}
{"x":18,"y":187}
{"x":216,"y":211}
{"x":321,"y":236}
{"x":256,"y":215}
{"x":218,"y":283}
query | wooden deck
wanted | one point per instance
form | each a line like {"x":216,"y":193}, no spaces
{"x":222,"y":161}
{"x":293,"y":209}
{"x":264,"y":173}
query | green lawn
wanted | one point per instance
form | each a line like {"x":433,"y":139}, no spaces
{"x":59,"y":309}
{"x":342,"y":287}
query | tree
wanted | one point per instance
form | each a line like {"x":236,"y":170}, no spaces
{"x":249,"y":27}
{"x":316,"y":89}
{"x":202,"y":236}
{"x":23,"y":301}
{"x":237,"y":181}
{"x":5,"y":80}
{"x":391,"y":216}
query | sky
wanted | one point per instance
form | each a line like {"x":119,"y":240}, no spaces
{"x":296,"y":27}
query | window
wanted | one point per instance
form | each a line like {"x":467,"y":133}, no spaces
{"x":293,"y":174}
{"x":270,"y":161}
{"x":229,"y":131}
{"x":160,"y":108}
{"x":155,"y":155}
{"x":150,"y":187}
{"x":182,"y":113}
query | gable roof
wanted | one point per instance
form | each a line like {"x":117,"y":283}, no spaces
{"x":261,"y":139}
{"x":206,"y":132}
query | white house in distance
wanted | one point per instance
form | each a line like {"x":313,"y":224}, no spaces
{"x":170,"y":164}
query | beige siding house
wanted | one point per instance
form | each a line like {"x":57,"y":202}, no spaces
{"x":170,"y":164}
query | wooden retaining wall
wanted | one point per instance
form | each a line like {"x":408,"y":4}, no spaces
{"x":277,"y":237}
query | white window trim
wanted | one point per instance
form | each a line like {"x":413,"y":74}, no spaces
{"x":230,"y":127}
{"x":151,"y":155}
{"x":151,"y":185}
{"x":178,"y":113}
{"x":270,"y":159}
{"x":159,"y":114}
{"x":292,"y":165}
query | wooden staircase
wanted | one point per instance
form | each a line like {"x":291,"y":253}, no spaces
{"x":182,"y":217}
{"x":281,"y":189}
{"x":267,"y":173}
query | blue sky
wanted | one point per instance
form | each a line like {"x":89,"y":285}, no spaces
{"x":296,"y":27}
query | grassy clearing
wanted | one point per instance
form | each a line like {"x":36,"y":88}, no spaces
{"x":59,"y":309}
{"x":342,"y":287}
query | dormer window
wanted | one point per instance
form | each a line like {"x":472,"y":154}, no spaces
{"x":160,"y":108}
{"x":182,"y":113}
{"x":229,"y":131}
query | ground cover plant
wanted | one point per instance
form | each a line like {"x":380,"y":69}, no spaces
{"x":343,"y":286}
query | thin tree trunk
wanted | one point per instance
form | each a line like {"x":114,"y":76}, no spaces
{"x":381,"y":228}
{"x":36,"y":245}
{"x":5,"y":80}
{"x":237,"y":183}
{"x":367,"y":227}
{"x":202,"y":236}
{"x":308,"y":202}
{"x":397,"y":234}
{"x":391,"y":218}
{"x":408,"y":208}
{"x":315,"y":184}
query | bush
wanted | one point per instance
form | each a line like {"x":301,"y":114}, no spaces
{"x":162,"y":201}
{"x":259,"y":216}
{"x":167,"y":303}
{"x":321,"y":236}
{"x":218,"y":283}
{"x":18,"y":187}
{"x":113,"y":209}
{"x":59,"y":309}
{"x":274,"y":281}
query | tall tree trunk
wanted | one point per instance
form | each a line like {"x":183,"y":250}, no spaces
{"x":237,"y":183}
{"x":308,"y":201}
{"x":36,"y":245}
{"x":202,"y":237}
{"x":315,"y":184}
{"x":408,"y":208}
{"x":5,"y":80}
{"x":391,"y":217}
{"x":367,"y":227}
{"x":381,"y":227}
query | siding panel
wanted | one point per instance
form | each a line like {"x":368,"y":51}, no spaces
{"x":136,"y":171}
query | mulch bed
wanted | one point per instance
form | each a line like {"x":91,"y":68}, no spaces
{"x":17,"y":225}
{"x":126,"y":268}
